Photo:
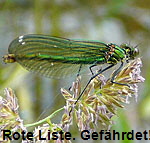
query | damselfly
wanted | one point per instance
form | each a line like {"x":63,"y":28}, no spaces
{"x":54,"y":56}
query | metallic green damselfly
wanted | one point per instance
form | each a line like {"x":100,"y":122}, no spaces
{"x":55,"y":56}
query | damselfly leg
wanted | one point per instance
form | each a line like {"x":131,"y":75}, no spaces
{"x":99,"y":72}
{"x":115,"y":73}
{"x":92,"y":79}
{"x":77,"y":75}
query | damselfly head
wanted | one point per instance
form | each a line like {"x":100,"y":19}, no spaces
{"x":131,"y":52}
{"x":9,"y":58}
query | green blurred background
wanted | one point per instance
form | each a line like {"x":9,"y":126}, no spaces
{"x":116,"y":21}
